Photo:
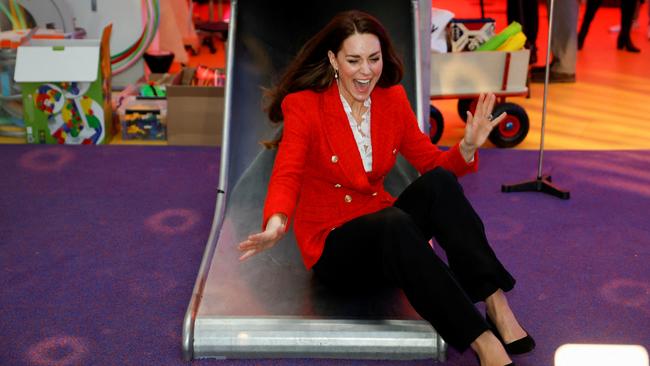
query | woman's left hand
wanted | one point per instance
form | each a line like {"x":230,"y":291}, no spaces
{"x":479,"y":125}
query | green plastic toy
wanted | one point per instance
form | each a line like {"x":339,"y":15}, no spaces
{"x":152,"y":91}
{"x":493,"y":43}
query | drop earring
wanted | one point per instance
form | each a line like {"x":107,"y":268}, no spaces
{"x":336,"y":74}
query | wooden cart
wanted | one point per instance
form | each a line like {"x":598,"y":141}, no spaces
{"x":465,"y":75}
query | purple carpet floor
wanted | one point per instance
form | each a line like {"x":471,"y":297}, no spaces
{"x":100,"y":246}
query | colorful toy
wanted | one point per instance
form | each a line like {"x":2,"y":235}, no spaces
{"x":151,"y":90}
{"x":143,"y":124}
{"x":73,"y":118}
{"x":493,"y":43}
{"x":66,"y":90}
{"x":514,"y":43}
{"x":469,"y":34}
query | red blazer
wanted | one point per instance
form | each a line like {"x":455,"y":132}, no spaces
{"x":318,"y":172}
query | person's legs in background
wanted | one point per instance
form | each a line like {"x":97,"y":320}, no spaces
{"x":635,"y":22}
{"x":564,"y":44}
{"x":564,"y":39}
{"x":627,"y":14}
{"x":590,"y":12}
{"x":526,"y":13}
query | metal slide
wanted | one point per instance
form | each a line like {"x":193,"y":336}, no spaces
{"x":270,"y":306}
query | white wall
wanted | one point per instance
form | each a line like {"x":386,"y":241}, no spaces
{"x":127,"y":19}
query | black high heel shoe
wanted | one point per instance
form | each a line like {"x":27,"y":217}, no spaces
{"x":518,"y":347}
{"x":623,"y":43}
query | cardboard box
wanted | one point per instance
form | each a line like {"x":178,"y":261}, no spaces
{"x":66,"y":88}
{"x":194,"y":113}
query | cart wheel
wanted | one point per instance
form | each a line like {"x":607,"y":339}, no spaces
{"x":513,"y":129}
{"x":464,"y":105}
{"x":436,"y":124}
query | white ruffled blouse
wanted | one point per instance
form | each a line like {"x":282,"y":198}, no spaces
{"x":361,"y":131}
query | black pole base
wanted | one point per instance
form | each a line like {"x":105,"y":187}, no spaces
{"x":541,"y":184}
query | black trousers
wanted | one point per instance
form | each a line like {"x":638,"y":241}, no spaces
{"x":391,"y":247}
{"x":526,"y":13}
{"x":627,"y":15}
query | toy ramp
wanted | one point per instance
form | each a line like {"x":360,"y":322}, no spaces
{"x":270,"y":305}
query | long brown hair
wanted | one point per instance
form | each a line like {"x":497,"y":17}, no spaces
{"x":311,"y":69}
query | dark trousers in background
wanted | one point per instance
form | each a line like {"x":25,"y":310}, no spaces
{"x":526,"y":13}
{"x":627,"y":17}
{"x":391,"y":247}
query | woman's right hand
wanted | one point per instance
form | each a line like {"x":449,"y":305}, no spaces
{"x":259,"y":242}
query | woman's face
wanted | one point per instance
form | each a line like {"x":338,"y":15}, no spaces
{"x":359,"y":63}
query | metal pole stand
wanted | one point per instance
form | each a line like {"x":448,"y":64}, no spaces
{"x":543,"y":182}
